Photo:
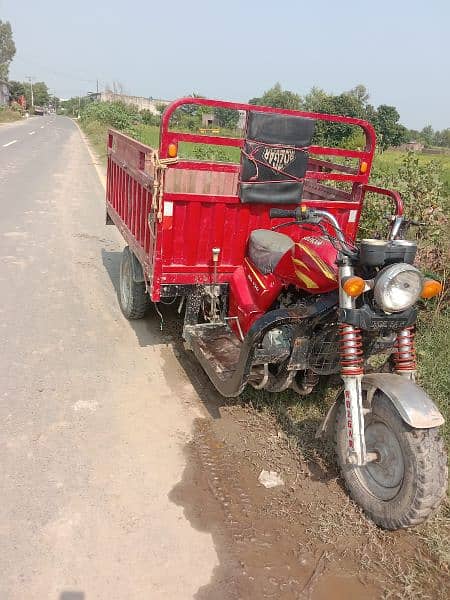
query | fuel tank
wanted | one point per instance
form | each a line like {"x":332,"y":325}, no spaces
{"x":311,"y":264}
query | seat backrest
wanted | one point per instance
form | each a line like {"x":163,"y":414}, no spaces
{"x":274,"y":158}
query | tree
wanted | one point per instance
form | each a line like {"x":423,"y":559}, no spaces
{"x":278,"y":98}
{"x":348,"y":104}
{"x":442,"y":138}
{"x":360,"y":92}
{"x":7,"y":48}
{"x":389,"y":131}
{"x":40,"y":93}
{"x":226,"y":117}
{"x":427,"y":135}
{"x":16,"y":89}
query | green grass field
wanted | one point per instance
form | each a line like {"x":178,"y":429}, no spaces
{"x":391,"y":160}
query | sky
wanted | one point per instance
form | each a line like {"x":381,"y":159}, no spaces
{"x":235,"y":50}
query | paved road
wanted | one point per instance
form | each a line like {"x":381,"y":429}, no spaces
{"x":95,"y":412}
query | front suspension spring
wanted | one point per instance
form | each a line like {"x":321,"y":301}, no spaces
{"x":350,"y":350}
{"x":404,"y":355}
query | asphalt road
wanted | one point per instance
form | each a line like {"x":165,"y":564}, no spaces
{"x":95,"y":411}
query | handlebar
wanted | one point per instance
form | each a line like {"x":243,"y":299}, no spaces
{"x":311,"y":215}
{"x":281,"y":213}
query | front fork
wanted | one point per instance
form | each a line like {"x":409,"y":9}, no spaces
{"x":352,"y":371}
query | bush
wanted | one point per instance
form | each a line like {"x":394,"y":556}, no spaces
{"x":148,"y":118}
{"x":422,"y":191}
{"x":114,"y":114}
{"x":8,"y":115}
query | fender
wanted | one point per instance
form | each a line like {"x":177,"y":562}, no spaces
{"x":413,"y":405}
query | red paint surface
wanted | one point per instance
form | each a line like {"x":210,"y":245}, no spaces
{"x":203,"y":209}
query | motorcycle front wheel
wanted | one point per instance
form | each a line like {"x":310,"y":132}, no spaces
{"x":408,"y":481}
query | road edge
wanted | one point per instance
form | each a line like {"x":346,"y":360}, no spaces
{"x":93,"y":154}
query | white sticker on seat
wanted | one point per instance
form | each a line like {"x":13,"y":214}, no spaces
{"x":352,"y":216}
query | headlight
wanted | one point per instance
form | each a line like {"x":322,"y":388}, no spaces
{"x":397,"y":287}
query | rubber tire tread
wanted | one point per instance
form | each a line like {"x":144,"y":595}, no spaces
{"x":424,"y":483}
{"x":139,"y":301}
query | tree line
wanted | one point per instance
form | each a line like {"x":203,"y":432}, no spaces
{"x":353,"y":103}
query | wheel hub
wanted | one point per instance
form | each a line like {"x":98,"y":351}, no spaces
{"x":383,"y":476}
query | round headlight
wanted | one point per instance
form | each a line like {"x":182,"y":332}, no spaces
{"x":397,"y":287}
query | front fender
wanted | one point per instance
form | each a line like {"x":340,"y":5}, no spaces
{"x":413,"y":405}
{"x":411,"y":402}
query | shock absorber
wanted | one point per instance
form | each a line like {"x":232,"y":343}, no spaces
{"x":350,"y":350}
{"x":404,"y":355}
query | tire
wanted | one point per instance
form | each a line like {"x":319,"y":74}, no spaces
{"x":407,"y":484}
{"x":133,"y":299}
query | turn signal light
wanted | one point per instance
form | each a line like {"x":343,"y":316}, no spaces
{"x":431,"y":288}
{"x":363,"y":167}
{"x":172,"y":150}
{"x":354,"y":286}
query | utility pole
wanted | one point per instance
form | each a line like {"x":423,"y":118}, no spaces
{"x":97,"y":86}
{"x":31,"y":89}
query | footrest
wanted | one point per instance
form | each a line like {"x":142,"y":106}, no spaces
{"x":217,"y":344}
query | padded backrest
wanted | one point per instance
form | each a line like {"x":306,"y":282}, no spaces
{"x":274,"y":159}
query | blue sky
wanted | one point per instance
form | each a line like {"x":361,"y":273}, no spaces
{"x":235,"y":50}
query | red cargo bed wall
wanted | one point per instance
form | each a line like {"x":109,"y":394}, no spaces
{"x":202,"y":211}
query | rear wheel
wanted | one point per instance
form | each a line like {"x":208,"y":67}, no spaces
{"x":408,"y":480}
{"x":133,"y":299}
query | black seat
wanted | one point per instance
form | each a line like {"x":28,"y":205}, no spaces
{"x":274,"y":158}
{"x":266,"y":248}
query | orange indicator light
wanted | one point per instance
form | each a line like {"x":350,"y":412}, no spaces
{"x":172,"y":150}
{"x":363,"y":167}
{"x":353,"y":286}
{"x":431,"y":288}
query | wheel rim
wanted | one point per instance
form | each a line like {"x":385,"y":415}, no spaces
{"x":382,"y":478}
{"x":125,"y":282}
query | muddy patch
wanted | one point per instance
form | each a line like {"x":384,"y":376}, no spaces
{"x":304,"y":539}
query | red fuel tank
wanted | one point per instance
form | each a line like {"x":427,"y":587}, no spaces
{"x":311,"y":265}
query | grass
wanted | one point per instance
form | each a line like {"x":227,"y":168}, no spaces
{"x":9,"y":116}
{"x":433,"y":353}
{"x":97,"y":133}
{"x":149,"y":134}
{"x":391,"y":160}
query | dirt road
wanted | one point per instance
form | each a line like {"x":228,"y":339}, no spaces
{"x":94,"y":421}
{"x":123,"y":473}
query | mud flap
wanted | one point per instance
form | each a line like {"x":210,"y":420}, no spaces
{"x":413,"y":405}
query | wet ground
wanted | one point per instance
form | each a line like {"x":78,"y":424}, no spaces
{"x":302,"y":540}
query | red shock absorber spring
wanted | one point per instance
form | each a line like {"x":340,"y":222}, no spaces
{"x":350,"y":350}
{"x":404,"y":354}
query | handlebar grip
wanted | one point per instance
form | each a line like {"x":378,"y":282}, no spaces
{"x":279,"y":213}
